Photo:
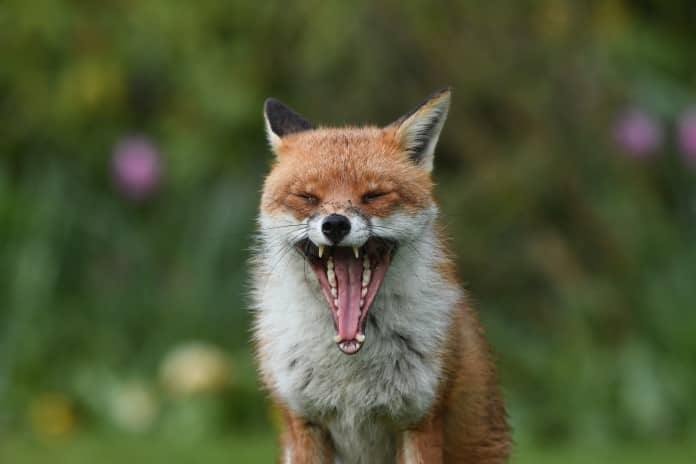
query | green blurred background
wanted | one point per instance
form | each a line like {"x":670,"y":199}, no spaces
{"x":132,"y":154}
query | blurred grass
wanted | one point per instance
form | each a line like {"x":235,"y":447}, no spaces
{"x":107,"y":449}
{"x":115,"y":449}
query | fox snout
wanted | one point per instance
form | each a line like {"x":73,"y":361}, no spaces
{"x":339,"y":229}
{"x":335,"y":227}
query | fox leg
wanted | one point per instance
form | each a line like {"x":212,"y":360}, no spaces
{"x":422,"y":445}
{"x":305,"y":443}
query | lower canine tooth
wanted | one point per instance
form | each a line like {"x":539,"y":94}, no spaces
{"x":337,"y":339}
{"x":356,"y":252}
{"x":359,"y":337}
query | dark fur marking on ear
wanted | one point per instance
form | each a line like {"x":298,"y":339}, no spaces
{"x":283,"y":120}
{"x":418,"y":146}
{"x":432,"y":96}
{"x":422,"y":140}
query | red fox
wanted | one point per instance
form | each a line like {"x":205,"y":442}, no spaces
{"x":364,"y":338}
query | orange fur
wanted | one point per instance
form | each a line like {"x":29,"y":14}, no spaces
{"x":340,"y":166}
{"x":424,"y":444}
{"x":307,"y":443}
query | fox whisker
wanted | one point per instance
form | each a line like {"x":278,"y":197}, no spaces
{"x":292,"y":239}
{"x":285,"y":226}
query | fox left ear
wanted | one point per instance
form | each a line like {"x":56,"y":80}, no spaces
{"x":282,"y":121}
{"x":418,"y":131}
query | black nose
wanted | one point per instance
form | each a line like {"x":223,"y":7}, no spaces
{"x":335,"y":227}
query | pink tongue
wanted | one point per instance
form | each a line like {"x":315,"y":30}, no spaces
{"x":349,"y":276}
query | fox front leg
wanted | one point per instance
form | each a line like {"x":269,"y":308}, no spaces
{"x":305,"y":443}
{"x":422,"y":445}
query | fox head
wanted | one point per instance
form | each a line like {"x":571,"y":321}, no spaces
{"x":345,"y":200}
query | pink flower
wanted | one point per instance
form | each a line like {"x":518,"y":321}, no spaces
{"x":137,"y":167}
{"x":637,"y":133}
{"x":687,"y":136}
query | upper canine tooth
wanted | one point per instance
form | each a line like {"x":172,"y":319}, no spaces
{"x":321,"y":250}
{"x":356,"y":252}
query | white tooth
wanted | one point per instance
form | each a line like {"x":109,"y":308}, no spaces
{"x":331,"y":275}
{"x":363,"y":292}
{"x":330,"y":263}
{"x":366,"y":262}
{"x":356,"y":252}
{"x":321,"y":250}
{"x":362,"y":302}
{"x":334,"y":292}
{"x":360,"y":338}
{"x":337,"y":339}
{"x":367,"y":275}
{"x":336,"y":302}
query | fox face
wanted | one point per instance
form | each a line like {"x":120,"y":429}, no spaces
{"x":345,"y":200}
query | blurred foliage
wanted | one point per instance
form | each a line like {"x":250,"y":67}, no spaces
{"x":580,"y":256}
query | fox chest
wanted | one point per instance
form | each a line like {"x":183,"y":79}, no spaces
{"x":368,"y":397}
{"x":394,"y":376}
{"x":386,"y":383}
{"x":363,"y":400}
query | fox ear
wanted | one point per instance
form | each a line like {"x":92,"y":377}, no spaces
{"x":282,"y":121}
{"x":417,"y":131}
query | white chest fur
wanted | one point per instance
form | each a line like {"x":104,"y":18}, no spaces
{"x":390,"y":383}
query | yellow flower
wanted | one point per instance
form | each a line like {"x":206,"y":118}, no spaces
{"x":52,"y":416}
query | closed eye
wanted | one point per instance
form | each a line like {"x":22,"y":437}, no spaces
{"x":308,"y":198}
{"x":372,"y":196}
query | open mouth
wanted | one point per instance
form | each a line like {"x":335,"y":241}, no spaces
{"x":350,"y":278}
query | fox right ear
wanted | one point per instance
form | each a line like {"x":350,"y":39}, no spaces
{"x":418,"y":131}
{"x":282,"y":121}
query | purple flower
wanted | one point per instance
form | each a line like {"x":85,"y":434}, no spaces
{"x":137,"y":167}
{"x":637,"y":133}
{"x":687,"y":136}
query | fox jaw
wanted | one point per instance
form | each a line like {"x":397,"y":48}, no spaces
{"x":344,"y":201}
